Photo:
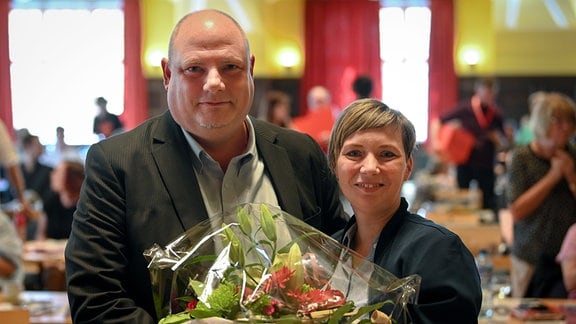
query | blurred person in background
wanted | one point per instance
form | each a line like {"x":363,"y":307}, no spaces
{"x":319,"y":118}
{"x":106,"y":123}
{"x":541,"y":191}
{"x":64,"y":151}
{"x":11,"y":266}
{"x":567,"y":260}
{"x":36,"y":176}
{"x":480,"y":117}
{"x":10,"y":162}
{"x":36,"y":173}
{"x":362,"y":87}
{"x":66,"y":181}
{"x":278,"y":108}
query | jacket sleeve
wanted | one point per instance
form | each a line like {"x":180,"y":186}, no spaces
{"x":97,"y":250}
{"x":450,"y":289}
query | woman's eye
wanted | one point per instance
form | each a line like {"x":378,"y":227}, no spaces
{"x":353,"y":153}
{"x":388,"y":154}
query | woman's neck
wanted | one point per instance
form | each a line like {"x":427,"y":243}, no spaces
{"x":367,"y":233}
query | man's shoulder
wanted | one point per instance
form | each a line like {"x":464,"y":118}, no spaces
{"x":460,"y":110}
{"x":281,"y":135}
{"x":155,"y":129}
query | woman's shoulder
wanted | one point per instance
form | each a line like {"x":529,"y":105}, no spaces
{"x":420,"y":230}
{"x":426,"y":226}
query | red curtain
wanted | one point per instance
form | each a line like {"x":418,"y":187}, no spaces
{"x":342,"y":41}
{"x":5,"y":88}
{"x":443,"y":89}
{"x":135,"y":87}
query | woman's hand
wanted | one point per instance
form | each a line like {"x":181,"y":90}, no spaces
{"x":564,"y":162}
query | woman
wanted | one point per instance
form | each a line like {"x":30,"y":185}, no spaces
{"x":66,"y":180}
{"x":567,"y":260}
{"x":542,"y":189}
{"x":370,"y":152}
{"x":278,"y":109}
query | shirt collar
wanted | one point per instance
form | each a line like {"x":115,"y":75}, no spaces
{"x":199,"y":151}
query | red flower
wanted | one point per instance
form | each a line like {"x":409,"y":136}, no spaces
{"x":192,"y":304}
{"x":317,"y":299}
{"x":278,"y":279}
{"x":269,"y":310}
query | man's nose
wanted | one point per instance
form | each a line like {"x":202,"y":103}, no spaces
{"x":213,"y":81}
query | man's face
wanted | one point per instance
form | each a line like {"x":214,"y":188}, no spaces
{"x":486,"y":94}
{"x":209,"y":79}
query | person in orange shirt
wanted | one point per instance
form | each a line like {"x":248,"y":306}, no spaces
{"x":321,"y":114}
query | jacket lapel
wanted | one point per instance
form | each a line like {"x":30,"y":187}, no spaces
{"x":174,"y":158}
{"x":279,"y":169}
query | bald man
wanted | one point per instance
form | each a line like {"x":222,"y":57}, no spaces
{"x":203,"y":156}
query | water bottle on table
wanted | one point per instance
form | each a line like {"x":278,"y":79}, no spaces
{"x":485,"y":269}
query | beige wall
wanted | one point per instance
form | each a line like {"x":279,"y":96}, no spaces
{"x":531,"y":49}
{"x":535,"y":46}
{"x":273,"y":26}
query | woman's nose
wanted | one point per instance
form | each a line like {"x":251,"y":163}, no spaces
{"x":370,"y":165}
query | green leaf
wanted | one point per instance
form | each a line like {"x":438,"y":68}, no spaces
{"x":245,"y":221}
{"x":268,"y":225}
{"x":339,"y":313}
{"x":302,"y":237}
{"x":175,"y":318}
{"x":224,"y":300}
{"x":366,"y":309}
{"x":197,"y":286}
{"x":203,"y":313}
{"x":236,"y":251}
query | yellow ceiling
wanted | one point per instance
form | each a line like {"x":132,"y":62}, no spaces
{"x":534,"y":15}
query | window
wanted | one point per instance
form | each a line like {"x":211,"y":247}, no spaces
{"x":404,"y":48}
{"x":63,"y":55}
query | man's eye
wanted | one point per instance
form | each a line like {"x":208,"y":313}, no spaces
{"x":193,"y":69}
{"x":231,"y":67}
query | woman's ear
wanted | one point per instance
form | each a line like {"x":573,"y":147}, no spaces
{"x":409,"y":166}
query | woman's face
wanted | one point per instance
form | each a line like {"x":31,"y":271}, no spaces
{"x":561,"y":130}
{"x":371,"y":169}
{"x":57,"y":178}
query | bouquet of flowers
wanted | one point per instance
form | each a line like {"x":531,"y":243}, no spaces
{"x":260,"y":264}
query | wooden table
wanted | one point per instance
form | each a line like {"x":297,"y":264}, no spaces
{"x":47,"y":307}
{"x":45,"y":259}
{"x":42,"y":251}
{"x":475,"y":233}
{"x":503,"y":307}
{"x":38,"y":307}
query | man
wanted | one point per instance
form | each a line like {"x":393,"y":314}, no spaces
{"x":362,"y":86}
{"x":106,"y":123}
{"x":36,"y":173}
{"x":11,"y":267}
{"x":318,"y":120}
{"x":203,"y":156}
{"x":481,"y":118}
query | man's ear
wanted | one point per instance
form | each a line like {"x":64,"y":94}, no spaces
{"x":166,"y":72}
